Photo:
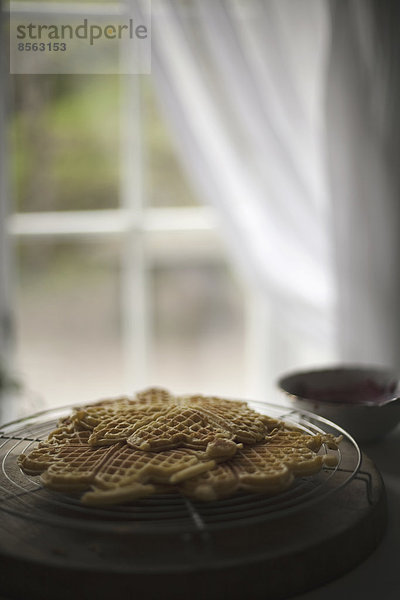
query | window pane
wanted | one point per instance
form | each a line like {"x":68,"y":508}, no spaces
{"x":65,"y":135}
{"x":70,"y":329}
{"x":198,"y":328}
{"x":166,"y":181}
{"x":68,"y":320}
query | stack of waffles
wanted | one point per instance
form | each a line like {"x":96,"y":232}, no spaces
{"x":206,"y":448}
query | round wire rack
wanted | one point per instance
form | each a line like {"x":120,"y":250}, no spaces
{"x":24,"y":496}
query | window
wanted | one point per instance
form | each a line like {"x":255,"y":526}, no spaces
{"x":121,"y":277}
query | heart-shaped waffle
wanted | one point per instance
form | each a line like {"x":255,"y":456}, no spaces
{"x":268,"y":467}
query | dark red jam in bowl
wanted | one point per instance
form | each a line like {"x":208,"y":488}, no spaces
{"x":367,"y":391}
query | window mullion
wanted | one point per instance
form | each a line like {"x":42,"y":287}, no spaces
{"x":134,"y":296}
{"x":6,"y":317}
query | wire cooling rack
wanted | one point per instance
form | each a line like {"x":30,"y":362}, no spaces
{"x":24,"y":496}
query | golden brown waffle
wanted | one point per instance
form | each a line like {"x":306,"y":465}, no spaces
{"x":46,"y":452}
{"x":155,"y":395}
{"x":180,"y":426}
{"x":245,"y":424}
{"x":219,"y":482}
{"x":169,"y":466}
{"x":69,"y":434}
{"x":187,"y":422}
{"x":253,"y":469}
{"x":109,"y":470}
{"x":157,"y":420}
{"x":301,"y":461}
{"x":296,"y":438}
{"x":200,"y":400}
{"x":108,"y":419}
{"x":92,"y":415}
{"x":226,"y":408}
{"x":75,"y":467}
{"x":150,"y":395}
{"x":38,"y":460}
{"x":261,"y":468}
{"x":118,"y":426}
{"x":119,"y":476}
{"x":206,"y":447}
{"x":229,"y":409}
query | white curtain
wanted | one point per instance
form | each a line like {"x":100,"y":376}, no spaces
{"x":276,"y":113}
{"x":242,"y":85}
{"x":363,"y":137}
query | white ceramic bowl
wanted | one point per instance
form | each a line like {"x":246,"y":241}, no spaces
{"x":362,"y":400}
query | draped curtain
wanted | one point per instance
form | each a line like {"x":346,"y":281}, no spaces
{"x":363,"y":140}
{"x":282,"y":116}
